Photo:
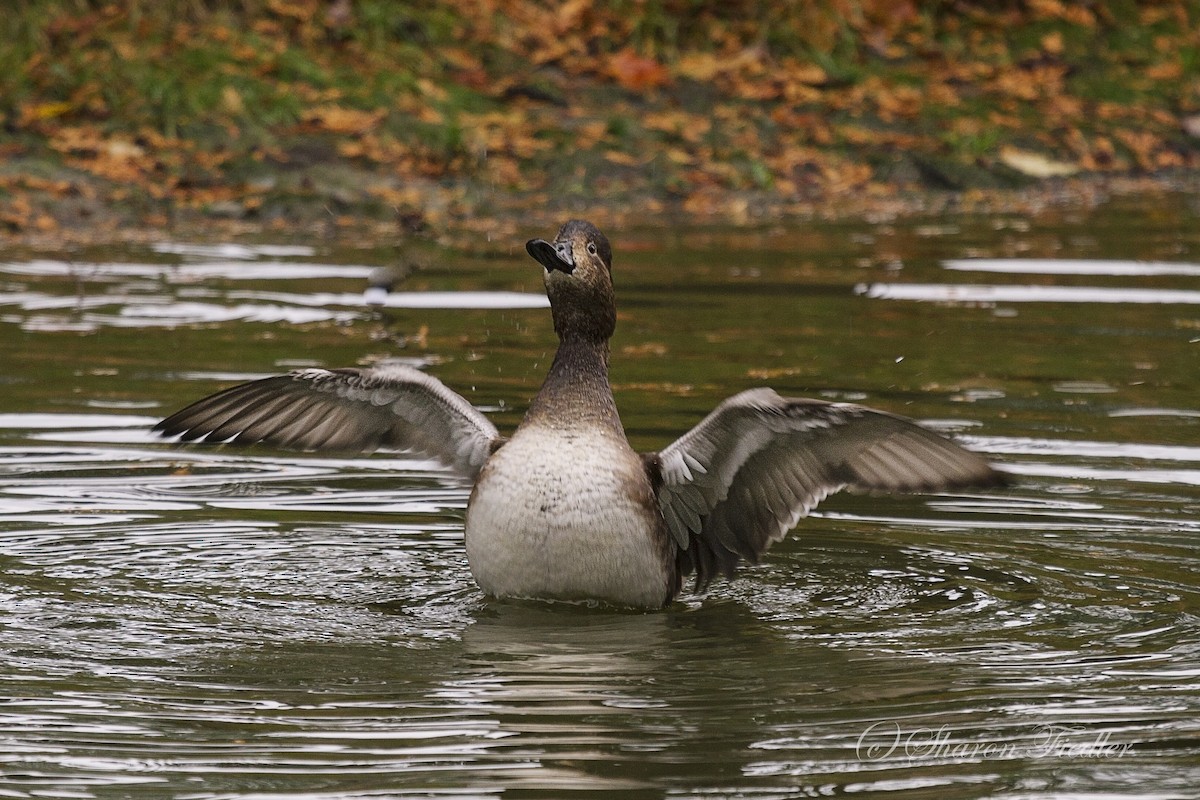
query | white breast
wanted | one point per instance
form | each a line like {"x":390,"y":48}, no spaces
{"x":563,"y":514}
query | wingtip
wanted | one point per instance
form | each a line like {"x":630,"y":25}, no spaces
{"x":997,"y":479}
{"x":988,"y":478}
{"x":171,"y":426}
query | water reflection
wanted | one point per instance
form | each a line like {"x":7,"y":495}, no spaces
{"x":244,"y":252}
{"x":223,"y":623}
{"x":169,"y":295}
{"x":407,"y":299}
{"x":977,"y":293}
{"x":1071,"y":266}
{"x":184,"y":274}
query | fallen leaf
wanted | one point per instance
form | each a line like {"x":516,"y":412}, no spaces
{"x":337,"y":119}
{"x":810,"y":74}
{"x":624,"y":159}
{"x":120,"y":150}
{"x":1035,"y":165}
{"x":38,"y":112}
{"x":299,"y":10}
{"x":569,"y":14}
{"x":689,"y":127}
{"x":656,"y":388}
{"x":1073,"y":13}
{"x":636,"y":72}
{"x":647,"y":349}
{"x":898,"y":101}
{"x":588,"y":134}
{"x":766,"y":374}
{"x":1170,"y":71}
{"x":231,"y":101}
{"x":1142,"y":144}
{"x":698,"y":66}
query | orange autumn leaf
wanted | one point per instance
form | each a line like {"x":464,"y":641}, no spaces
{"x":678,"y":155}
{"x":504,"y":170}
{"x":810,"y":74}
{"x":705,"y":66}
{"x":1169,"y":71}
{"x":698,"y":66}
{"x":1074,"y":13}
{"x":624,"y":159}
{"x":689,"y":127}
{"x":1168,"y":159}
{"x":1142,"y":144}
{"x":636,"y":72}
{"x":569,"y":14}
{"x":900,"y":101}
{"x":299,"y":10}
{"x":845,"y":176}
{"x":589,"y":134}
{"x":337,"y":119}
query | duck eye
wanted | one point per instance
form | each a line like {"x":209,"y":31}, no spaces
{"x":591,"y":247}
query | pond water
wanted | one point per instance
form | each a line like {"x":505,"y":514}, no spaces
{"x":206,"y":622}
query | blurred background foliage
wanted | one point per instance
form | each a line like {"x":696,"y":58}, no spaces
{"x":245,"y":108}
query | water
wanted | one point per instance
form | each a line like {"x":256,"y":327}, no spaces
{"x":217,"y":623}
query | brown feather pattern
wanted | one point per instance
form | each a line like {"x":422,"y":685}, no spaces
{"x":741,"y":479}
{"x":346,"y":410}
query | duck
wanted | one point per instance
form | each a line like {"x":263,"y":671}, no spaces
{"x":564,"y":508}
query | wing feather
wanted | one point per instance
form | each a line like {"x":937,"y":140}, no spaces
{"x":344,"y":410}
{"x":741,"y":479}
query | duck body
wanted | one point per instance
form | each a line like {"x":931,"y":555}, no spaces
{"x":565,"y":509}
{"x":568,"y":514}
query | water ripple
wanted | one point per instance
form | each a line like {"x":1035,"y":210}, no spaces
{"x":206,"y":622}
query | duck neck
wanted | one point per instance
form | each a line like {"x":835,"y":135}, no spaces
{"x":576,"y":392}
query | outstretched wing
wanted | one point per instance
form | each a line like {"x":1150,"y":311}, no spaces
{"x":344,"y":410}
{"x":741,"y":479}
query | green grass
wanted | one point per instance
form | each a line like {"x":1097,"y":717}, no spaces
{"x":242,"y":78}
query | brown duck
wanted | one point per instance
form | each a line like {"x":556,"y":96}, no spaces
{"x":565,"y":508}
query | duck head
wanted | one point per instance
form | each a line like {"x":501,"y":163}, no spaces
{"x":578,"y":276}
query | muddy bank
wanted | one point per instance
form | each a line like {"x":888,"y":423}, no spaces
{"x":59,"y":207}
{"x":352,"y":118}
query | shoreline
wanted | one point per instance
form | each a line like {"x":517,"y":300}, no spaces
{"x":336,"y":119}
{"x":77,"y":211}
